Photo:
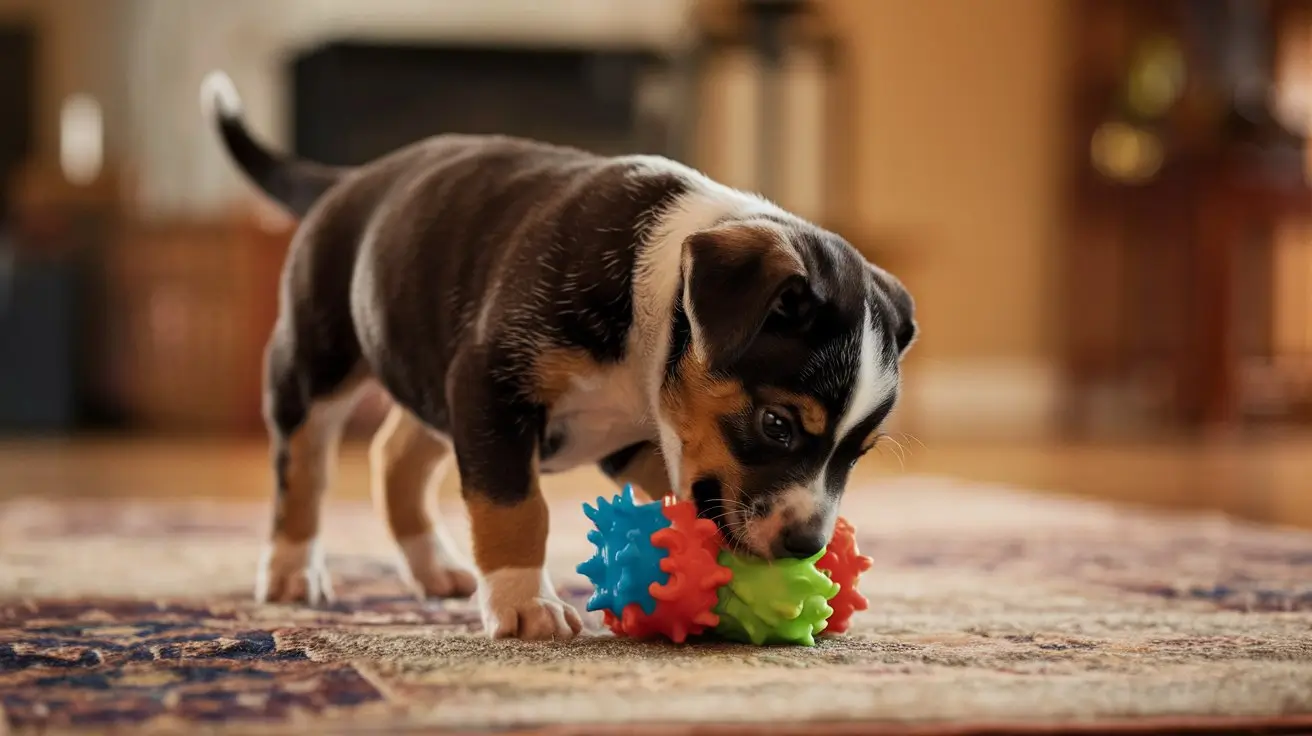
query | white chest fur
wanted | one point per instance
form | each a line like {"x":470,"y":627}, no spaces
{"x":598,"y":415}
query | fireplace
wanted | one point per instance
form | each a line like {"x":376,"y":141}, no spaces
{"x":355,"y":100}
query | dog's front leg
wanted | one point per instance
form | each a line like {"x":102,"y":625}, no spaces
{"x":495,"y":428}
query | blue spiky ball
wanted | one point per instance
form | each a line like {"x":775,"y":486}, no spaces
{"x":626,"y":564}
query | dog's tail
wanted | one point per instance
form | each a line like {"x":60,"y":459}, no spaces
{"x":293,"y":183}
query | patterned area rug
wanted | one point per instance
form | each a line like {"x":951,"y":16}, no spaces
{"x":991,"y":610}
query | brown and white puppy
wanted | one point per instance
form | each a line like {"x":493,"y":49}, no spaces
{"x":532,"y":308}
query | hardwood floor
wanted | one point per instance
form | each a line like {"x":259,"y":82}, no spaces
{"x":1269,"y":481}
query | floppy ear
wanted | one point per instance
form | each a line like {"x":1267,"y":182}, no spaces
{"x":900,"y":307}
{"x":737,"y":280}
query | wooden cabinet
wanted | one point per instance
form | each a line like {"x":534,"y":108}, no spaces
{"x":1186,"y":156}
{"x":189,"y":307}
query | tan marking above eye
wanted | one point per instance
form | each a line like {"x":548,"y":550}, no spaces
{"x":815,"y":420}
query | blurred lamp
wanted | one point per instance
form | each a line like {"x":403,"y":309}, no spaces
{"x":81,"y":139}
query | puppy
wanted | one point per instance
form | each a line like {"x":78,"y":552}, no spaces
{"x":532,"y":308}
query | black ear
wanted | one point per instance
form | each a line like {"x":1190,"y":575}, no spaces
{"x":739,"y":280}
{"x":900,"y":307}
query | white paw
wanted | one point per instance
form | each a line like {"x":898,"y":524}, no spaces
{"x":433,"y":570}
{"x":293,"y":572}
{"x":520,"y":603}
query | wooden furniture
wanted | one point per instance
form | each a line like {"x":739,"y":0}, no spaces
{"x":1178,"y":180}
{"x":189,"y":306}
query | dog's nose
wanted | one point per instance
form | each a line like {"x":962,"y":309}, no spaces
{"x":800,"y":542}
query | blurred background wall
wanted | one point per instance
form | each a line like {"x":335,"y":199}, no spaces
{"x":955,"y":142}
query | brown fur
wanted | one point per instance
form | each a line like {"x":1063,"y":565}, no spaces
{"x":695,"y":402}
{"x":309,"y":454}
{"x":508,"y":536}
{"x":407,"y":460}
{"x":755,"y":237}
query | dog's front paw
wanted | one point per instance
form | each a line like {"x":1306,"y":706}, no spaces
{"x":519,"y":603}
{"x":293,"y":572}
{"x":432,"y":569}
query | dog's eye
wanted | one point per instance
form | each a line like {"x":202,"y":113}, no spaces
{"x":776,"y":425}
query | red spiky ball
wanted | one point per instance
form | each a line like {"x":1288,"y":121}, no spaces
{"x":844,"y":563}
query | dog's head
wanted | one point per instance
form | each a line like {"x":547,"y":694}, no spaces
{"x":784,"y":363}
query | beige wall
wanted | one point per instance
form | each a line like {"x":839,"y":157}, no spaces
{"x":958,"y":122}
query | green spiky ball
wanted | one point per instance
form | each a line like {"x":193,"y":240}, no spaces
{"x":775,"y":602}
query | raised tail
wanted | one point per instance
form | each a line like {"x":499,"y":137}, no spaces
{"x":293,"y":183}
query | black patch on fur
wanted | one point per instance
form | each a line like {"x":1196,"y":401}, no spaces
{"x":680,"y":338}
{"x":897,"y":309}
{"x":297,"y":185}
{"x":708,"y":496}
{"x":496,"y":431}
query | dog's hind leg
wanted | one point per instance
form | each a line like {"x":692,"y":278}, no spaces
{"x":306,"y":413}
{"x":408,"y":461}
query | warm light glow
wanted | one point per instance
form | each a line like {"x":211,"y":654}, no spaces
{"x":81,"y":139}
{"x":1126,"y":153}
{"x":1157,"y":77}
{"x":1291,"y":93}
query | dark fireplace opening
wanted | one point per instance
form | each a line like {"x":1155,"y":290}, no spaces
{"x":355,"y":100}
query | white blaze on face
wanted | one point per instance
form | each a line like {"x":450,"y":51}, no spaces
{"x":876,"y":380}
{"x":874,"y":383}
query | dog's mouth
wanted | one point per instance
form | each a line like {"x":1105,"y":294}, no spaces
{"x":708,"y":495}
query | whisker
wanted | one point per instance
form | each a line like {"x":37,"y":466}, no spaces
{"x":912,"y":437}
{"x":901,"y":449}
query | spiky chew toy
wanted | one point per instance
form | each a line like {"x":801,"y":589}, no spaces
{"x":661,"y":571}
